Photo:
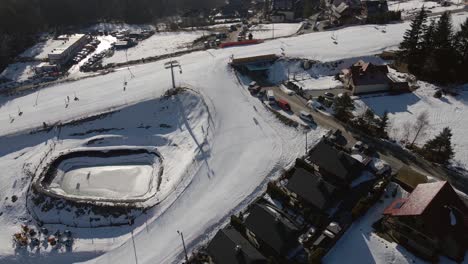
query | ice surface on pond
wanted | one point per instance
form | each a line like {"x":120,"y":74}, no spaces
{"x":124,"y":177}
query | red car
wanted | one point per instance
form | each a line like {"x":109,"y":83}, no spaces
{"x":283,"y":104}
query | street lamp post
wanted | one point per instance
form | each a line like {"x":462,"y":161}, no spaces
{"x":183,"y":244}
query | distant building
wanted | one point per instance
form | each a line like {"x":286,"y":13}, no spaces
{"x":271,"y":231}
{"x":334,"y":165}
{"x":258,"y":65}
{"x":345,"y":11}
{"x":366,"y":77}
{"x":230,"y":247}
{"x":372,"y":8}
{"x":311,"y":189}
{"x":70,"y":45}
{"x":285,"y":10}
{"x":430,"y":221}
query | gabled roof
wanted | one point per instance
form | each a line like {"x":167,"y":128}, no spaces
{"x":334,"y":161}
{"x":230,"y":247}
{"x":311,"y":187}
{"x":272,"y":228}
{"x":421,"y":197}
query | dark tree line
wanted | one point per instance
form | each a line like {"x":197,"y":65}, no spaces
{"x":433,"y":51}
{"x":21,"y":19}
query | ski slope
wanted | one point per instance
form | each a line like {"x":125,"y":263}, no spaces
{"x":247,"y":143}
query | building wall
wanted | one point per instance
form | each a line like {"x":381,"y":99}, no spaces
{"x":360,"y":89}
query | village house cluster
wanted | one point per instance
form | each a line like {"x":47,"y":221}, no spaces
{"x":307,"y":210}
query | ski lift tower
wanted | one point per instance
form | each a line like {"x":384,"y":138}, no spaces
{"x":171,"y":65}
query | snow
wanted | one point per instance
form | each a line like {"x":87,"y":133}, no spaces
{"x":19,"y":71}
{"x":448,"y":111}
{"x":277,"y":30}
{"x":320,"y":83}
{"x":156,"y":45}
{"x":216,"y":161}
{"x":412,"y":7}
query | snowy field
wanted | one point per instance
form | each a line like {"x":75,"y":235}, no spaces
{"x":448,"y":111}
{"x":412,"y":7}
{"x":245,"y":144}
{"x":19,"y":71}
{"x":267,"y":31}
{"x":158,"y":44}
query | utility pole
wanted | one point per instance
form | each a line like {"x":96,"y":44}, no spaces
{"x":183,"y":244}
{"x":171,"y":65}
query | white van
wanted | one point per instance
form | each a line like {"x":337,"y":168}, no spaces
{"x":271,"y":97}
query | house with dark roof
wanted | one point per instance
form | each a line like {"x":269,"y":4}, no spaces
{"x":230,"y":247}
{"x":271,"y":231}
{"x":285,"y":10}
{"x":366,"y":77}
{"x":372,"y":8}
{"x":311,"y":189}
{"x":345,"y":11}
{"x":335,"y":166}
{"x":432,"y":220}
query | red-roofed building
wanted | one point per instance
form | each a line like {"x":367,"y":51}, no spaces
{"x":431,"y":221}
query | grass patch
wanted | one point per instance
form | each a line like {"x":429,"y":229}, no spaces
{"x":410,"y":177}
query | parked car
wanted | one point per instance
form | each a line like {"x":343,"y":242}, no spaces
{"x":329,"y":95}
{"x":283,"y":104}
{"x":358,"y":146}
{"x":254,"y":89}
{"x":306,"y":238}
{"x":306,"y":116}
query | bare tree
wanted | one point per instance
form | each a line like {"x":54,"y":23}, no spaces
{"x":406,"y":131}
{"x":421,"y":125}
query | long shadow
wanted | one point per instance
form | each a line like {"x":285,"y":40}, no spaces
{"x":203,"y":153}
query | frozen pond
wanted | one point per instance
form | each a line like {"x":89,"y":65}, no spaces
{"x":125,"y":177}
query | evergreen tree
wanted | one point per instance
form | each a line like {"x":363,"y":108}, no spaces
{"x":369,"y":117}
{"x":461,"y":47}
{"x":410,"y":47}
{"x":343,"y":105}
{"x":440,"y":148}
{"x":383,"y":124}
{"x":444,"y":53}
{"x":429,"y":65}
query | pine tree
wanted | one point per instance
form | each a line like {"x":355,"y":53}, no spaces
{"x":444,"y":53}
{"x":383,"y":124}
{"x":369,"y":116}
{"x":461,"y":47}
{"x":440,"y":148}
{"x":342,"y":106}
{"x":410,"y":46}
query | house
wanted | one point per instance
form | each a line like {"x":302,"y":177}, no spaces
{"x":366,"y":77}
{"x":230,"y":247}
{"x":312,"y":189}
{"x":258,"y":65}
{"x":285,"y":10}
{"x":431,"y":221}
{"x":334,"y":165}
{"x":345,"y":11}
{"x":271,"y":231}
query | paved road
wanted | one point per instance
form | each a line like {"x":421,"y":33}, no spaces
{"x":393,"y":154}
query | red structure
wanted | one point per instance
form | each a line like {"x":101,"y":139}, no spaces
{"x":240,"y":43}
